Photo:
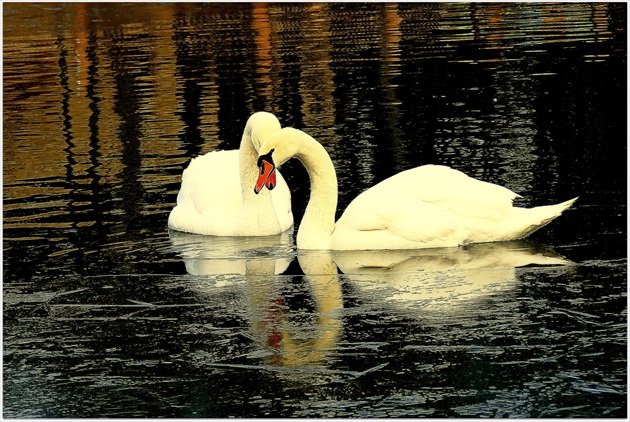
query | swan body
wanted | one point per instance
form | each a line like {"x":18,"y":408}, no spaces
{"x":216,"y":196}
{"x":426,"y":207}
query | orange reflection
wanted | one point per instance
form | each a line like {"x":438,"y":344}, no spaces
{"x":264,"y":60}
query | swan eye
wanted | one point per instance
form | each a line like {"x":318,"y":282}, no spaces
{"x":266,"y":157}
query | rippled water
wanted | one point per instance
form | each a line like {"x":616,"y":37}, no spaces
{"x":107,"y":314}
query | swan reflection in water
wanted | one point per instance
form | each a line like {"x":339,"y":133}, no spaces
{"x":442,"y":280}
{"x":285,"y":337}
{"x":423,"y":280}
{"x":207,"y":255}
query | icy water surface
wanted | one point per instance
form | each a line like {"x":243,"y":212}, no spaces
{"x":107,"y":314}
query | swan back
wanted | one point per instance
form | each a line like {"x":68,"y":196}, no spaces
{"x":436,"y":206}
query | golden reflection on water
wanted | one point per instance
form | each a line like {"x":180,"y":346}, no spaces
{"x":123,"y":95}
{"x":261,"y":24}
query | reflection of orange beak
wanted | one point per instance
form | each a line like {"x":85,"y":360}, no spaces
{"x":266,"y":177}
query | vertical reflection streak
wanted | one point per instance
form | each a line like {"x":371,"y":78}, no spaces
{"x":71,"y":161}
{"x":289,"y":62}
{"x":263,"y":86}
{"x":190,"y":48}
{"x":97,"y":189}
{"x":390,"y":71}
{"x":316,"y":84}
{"x":127,"y":105}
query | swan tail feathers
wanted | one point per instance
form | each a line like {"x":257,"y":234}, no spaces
{"x":539,"y":217}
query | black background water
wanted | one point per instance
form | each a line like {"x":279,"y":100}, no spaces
{"x":104,"y":106}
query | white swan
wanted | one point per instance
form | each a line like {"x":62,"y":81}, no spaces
{"x":216,"y":195}
{"x":425,"y":207}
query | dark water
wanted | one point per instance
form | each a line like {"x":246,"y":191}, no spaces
{"x":107,"y":315}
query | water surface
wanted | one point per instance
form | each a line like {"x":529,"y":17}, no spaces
{"x":107,"y":314}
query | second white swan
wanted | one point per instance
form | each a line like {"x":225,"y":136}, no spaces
{"x":426,"y":207}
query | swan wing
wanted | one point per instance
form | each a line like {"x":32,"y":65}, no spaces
{"x":448,"y":190}
{"x":428,"y":206}
{"x":211,"y":178}
{"x":392,"y":222}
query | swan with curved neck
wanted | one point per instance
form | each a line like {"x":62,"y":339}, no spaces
{"x":216,"y":196}
{"x":426,"y":207}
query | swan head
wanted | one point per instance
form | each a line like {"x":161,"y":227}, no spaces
{"x":259,"y":126}
{"x":267,"y":175}
{"x":276,"y":149}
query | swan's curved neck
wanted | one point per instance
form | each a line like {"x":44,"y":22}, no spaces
{"x":318,"y":222}
{"x":247,"y":156}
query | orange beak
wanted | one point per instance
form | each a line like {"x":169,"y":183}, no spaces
{"x":266,"y":177}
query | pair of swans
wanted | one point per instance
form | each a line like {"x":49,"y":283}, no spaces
{"x":429,"y":206}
